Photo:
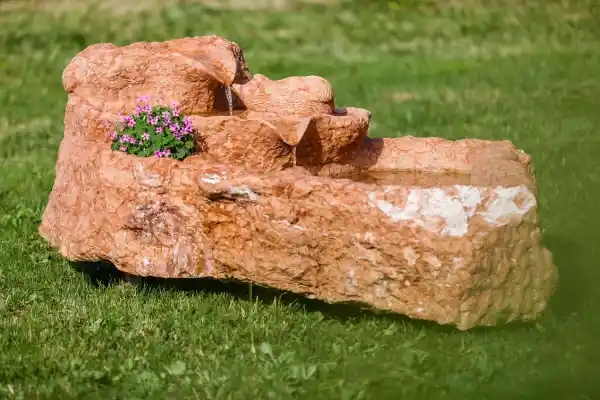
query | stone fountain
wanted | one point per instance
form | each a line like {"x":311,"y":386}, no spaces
{"x":288,"y":191}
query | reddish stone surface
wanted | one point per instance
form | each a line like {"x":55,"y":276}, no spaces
{"x":294,"y":195}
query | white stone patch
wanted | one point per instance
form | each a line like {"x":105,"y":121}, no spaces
{"x":425,"y":206}
{"x":410,"y":255}
{"x":380,"y":290}
{"x":180,"y":256}
{"x":432,"y":202}
{"x":504,"y":204}
{"x":369,"y":237}
{"x":146,"y":178}
{"x":145,"y":267}
{"x":432,"y":260}
{"x":286,"y":222}
{"x":470,"y":197}
{"x":213,"y":179}
{"x":458,"y":262}
{"x":243,"y":190}
{"x":351,"y":284}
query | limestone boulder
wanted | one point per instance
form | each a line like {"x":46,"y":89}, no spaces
{"x":434,"y":229}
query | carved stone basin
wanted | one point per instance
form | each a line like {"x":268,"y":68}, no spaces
{"x":288,"y":191}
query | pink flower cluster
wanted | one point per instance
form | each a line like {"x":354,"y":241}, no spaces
{"x":128,"y":122}
{"x":143,"y":129}
{"x":182,"y":131}
{"x":144,"y":107}
{"x":179,"y":131}
{"x":127,"y":139}
{"x":164,"y":153}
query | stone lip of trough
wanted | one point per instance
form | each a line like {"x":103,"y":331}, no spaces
{"x":300,"y":200}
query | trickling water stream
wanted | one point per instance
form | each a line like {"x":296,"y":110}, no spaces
{"x":294,"y":155}
{"x":229,"y":96}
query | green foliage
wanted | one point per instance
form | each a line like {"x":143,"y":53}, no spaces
{"x":154,"y":131}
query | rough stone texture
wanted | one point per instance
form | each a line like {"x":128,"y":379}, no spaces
{"x":435,"y":229}
{"x":304,"y":96}
{"x":189,"y":71}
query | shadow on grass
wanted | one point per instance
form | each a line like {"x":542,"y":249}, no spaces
{"x":102,"y":274}
{"x":575,"y":287}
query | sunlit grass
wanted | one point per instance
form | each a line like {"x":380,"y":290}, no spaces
{"x":524,"y":71}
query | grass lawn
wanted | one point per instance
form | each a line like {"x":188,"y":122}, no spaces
{"x":465,"y":68}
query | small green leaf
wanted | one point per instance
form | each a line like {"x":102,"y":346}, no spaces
{"x":310,"y":371}
{"x":177,"y":368}
{"x":180,"y":154}
{"x":266,"y":348}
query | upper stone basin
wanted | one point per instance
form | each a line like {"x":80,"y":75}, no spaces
{"x":290,"y":192}
{"x":278,"y":142}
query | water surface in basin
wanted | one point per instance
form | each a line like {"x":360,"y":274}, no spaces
{"x":410,"y":178}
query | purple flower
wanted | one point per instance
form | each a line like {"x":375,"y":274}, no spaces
{"x":187,"y":126}
{"x":175,"y":129}
{"x":123,"y":148}
{"x":145,"y":136}
{"x":153,"y":120}
{"x":143,"y":99}
{"x":159,"y":129}
{"x":127,"y":121}
{"x":127,"y":139}
{"x":164,"y":153}
{"x":139,"y":110}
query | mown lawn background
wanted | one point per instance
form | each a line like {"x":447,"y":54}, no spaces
{"x":524,"y":71}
